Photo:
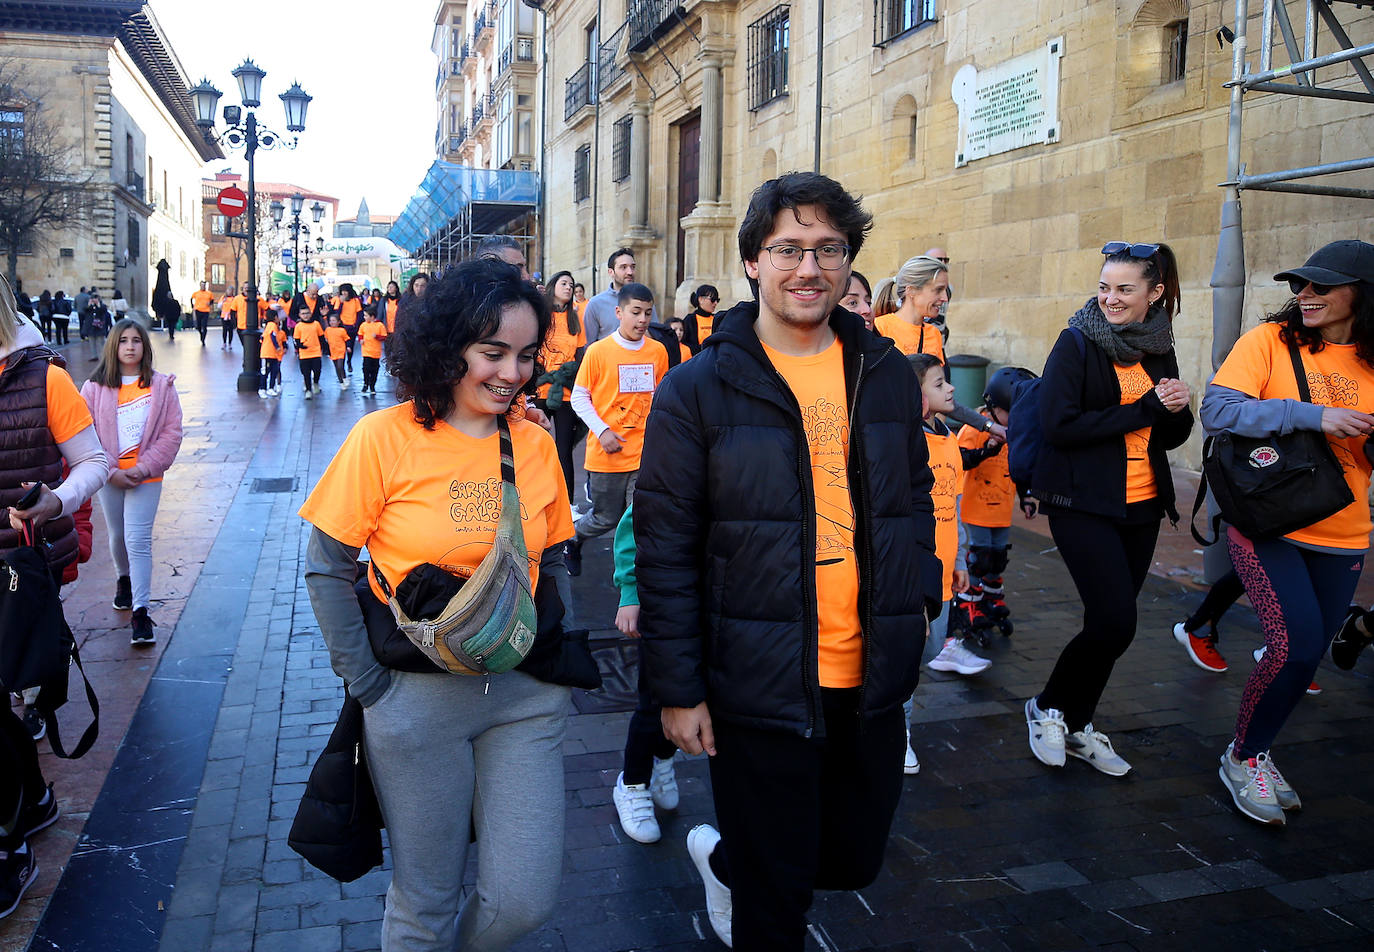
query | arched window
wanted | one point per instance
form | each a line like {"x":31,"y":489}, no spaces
{"x":1162,"y":28}
{"x":770,"y":165}
{"x":902,"y":136}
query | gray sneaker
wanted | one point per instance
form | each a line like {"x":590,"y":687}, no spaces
{"x":1093,"y":747}
{"x":1047,"y":732}
{"x":1283,"y":791}
{"x":1252,"y":787}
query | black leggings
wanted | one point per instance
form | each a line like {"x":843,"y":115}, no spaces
{"x":644,"y":740}
{"x":227,"y":330}
{"x":310,"y":370}
{"x":59,"y":335}
{"x":1219,"y":598}
{"x":202,"y":325}
{"x":22,"y":778}
{"x":370,"y":366}
{"x":1108,"y":560}
{"x":564,"y":437}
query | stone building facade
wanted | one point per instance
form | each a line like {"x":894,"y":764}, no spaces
{"x":107,"y":76}
{"x":692,"y":104}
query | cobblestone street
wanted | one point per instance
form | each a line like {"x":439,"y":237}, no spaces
{"x":173,"y":835}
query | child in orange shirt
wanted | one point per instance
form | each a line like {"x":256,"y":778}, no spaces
{"x":273,"y":340}
{"x":615,"y":386}
{"x":337,"y":335}
{"x":308,"y":334}
{"x":372,"y":333}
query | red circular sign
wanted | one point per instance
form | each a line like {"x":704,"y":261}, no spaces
{"x":232,"y":201}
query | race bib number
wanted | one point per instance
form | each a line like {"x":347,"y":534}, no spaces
{"x":130,"y":418}
{"x":636,"y":378}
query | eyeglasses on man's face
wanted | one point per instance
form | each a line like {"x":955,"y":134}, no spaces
{"x":787,"y":257}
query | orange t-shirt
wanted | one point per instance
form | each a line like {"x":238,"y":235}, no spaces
{"x":686,"y":352}
{"x":68,"y":413}
{"x":911,"y":338}
{"x":1259,"y":366}
{"x":201,"y":301}
{"x":989,"y":495}
{"x":271,"y":342}
{"x":348,"y":311}
{"x":338,"y":342}
{"x":817,"y":381}
{"x":948,"y":468}
{"x":240,"y":306}
{"x":309,"y":333}
{"x":622,"y":384}
{"x":372,"y":333}
{"x":226,"y":307}
{"x":413,"y":495}
{"x":131,"y":415}
{"x":391,"y":308}
{"x":1140,"y":478}
{"x":705,"y":325}
{"x":560,"y":346}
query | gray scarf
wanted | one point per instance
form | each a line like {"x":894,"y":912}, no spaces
{"x":1126,"y":343}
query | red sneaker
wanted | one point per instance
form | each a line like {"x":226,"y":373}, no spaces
{"x":1203,"y":651}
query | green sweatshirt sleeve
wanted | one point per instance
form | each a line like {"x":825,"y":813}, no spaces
{"x":625,"y":559}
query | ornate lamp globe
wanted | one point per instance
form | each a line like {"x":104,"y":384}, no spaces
{"x":250,"y":75}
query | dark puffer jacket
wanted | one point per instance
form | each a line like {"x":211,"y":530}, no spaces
{"x":724,"y":519}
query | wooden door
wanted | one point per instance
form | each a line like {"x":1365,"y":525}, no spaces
{"x":688,"y":166}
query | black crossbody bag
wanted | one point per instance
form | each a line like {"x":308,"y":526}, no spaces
{"x":1269,"y":486}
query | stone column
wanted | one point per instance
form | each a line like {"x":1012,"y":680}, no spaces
{"x":639,"y":166}
{"x":712,"y":110}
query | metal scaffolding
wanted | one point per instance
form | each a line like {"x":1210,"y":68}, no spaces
{"x":1228,"y":276}
{"x":456,"y":207}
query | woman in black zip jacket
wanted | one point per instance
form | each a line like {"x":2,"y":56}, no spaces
{"x":1111,"y":405}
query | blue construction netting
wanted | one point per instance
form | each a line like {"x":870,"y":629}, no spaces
{"x":447,"y":189}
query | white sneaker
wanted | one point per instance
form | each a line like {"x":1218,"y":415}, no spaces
{"x":309,"y":394}
{"x":1251,"y":787}
{"x":635,"y":805}
{"x":700,"y":842}
{"x":955,"y":657}
{"x":1094,"y":748}
{"x":1046,"y":734}
{"x":275,"y":391}
{"x":663,"y":785}
{"x":911,"y":765}
{"x":1283,"y":791}
{"x":343,"y":384}
{"x":262,"y":393}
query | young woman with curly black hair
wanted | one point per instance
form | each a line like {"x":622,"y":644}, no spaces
{"x":1300,"y":584}
{"x":419,"y":483}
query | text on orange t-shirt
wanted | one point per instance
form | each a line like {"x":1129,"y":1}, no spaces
{"x":412,"y":495}
{"x":622,"y":384}
{"x":989,"y":495}
{"x":1259,"y":366}
{"x":948,"y":468}
{"x":131,"y":416}
{"x":817,"y":381}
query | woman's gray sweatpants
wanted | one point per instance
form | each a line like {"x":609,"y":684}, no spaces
{"x":444,"y":751}
{"x":129,"y":515}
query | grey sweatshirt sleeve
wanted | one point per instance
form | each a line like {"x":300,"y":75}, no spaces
{"x":330,"y":567}
{"x":1239,"y":413}
{"x":967,"y":416}
{"x":87,"y":469}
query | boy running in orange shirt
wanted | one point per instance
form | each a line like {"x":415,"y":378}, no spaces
{"x":337,"y":335}
{"x":372,"y":333}
{"x":614,"y":388}
{"x":308,"y":334}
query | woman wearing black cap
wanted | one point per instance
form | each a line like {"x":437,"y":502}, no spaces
{"x":1300,"y":584}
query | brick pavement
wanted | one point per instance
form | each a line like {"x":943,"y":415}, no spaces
{"x":990,"y":850}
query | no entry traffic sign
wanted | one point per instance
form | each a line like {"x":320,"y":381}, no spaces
{"x":232,"y":201}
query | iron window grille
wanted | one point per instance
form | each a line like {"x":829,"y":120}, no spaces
{"x":895,"y":18}
{"x":769,"y":39}
{"x":579,"y":90}
{"x":620,"y":150}
{"x":1176,"y":45}
{"x":582,"y":174}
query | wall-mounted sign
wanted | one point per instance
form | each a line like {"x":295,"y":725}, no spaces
{"x":1008,"y":106}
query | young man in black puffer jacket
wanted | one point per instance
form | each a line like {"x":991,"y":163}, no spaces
{"x":786,"y":566}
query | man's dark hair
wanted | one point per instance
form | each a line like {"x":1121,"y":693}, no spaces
{"x":633,"y":292}
{"x":793,"y":190}
{"x":491,"y":245}
{"x":459,"y":309}
{"x":610,"y":262}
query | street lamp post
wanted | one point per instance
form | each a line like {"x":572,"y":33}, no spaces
{"x":298,"y":230}
{"x":244,"y":131}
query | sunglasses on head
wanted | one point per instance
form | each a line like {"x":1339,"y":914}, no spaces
{"x":942,"y":260}
{"x":1296,"y":285}
{"x":1136,"y":250}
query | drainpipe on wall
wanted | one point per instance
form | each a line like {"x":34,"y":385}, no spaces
{"x":820,"y":78}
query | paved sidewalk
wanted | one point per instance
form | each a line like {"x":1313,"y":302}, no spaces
{"x":185,"y":847}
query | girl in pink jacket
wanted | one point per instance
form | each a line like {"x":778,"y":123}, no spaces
{"x":138,"y":419}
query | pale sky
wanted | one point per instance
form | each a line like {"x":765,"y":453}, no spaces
{"x":369,"y":131}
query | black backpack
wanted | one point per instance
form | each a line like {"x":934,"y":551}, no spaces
{"x":1025,"y":438}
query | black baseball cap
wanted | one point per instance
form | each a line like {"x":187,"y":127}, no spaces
{"x":1341,"y":262}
